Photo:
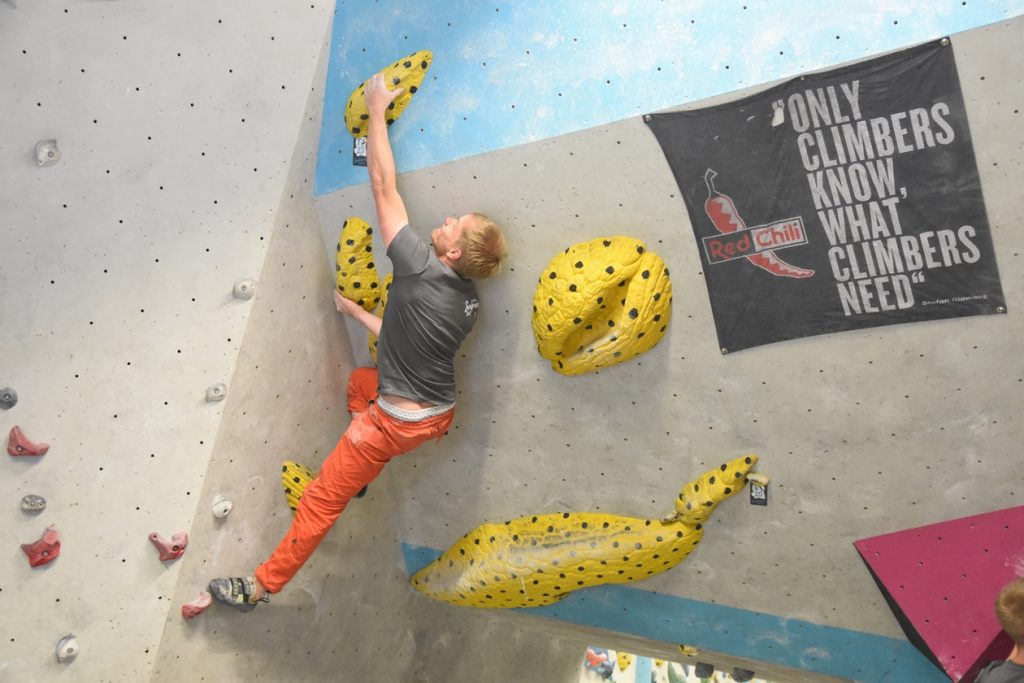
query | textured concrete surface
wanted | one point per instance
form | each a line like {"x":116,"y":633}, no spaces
{"x":863,"y":432}
{"x":177,"y":122}
{"x":349,"y":613}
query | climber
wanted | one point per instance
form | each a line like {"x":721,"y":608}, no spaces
{"x":1010,"y":613}
{"x":410,"y":397}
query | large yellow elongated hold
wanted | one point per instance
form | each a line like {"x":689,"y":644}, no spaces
{"x":407,"y":73}
{"x":538,"y":560}
{"x":355,"y":272}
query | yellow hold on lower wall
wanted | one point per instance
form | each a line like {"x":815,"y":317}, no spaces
{"x":538,"y":560}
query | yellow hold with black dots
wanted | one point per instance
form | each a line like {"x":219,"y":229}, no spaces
{"x":355,"y":272}
{"x":538,"y":560}
{"x":623,"y":659}
{"x":295,"y":478}
{"x":385,"y":288}
{"x":599,"y":303}
{"x":407,"y":73}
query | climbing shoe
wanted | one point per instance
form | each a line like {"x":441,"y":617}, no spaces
{"x":237,"y":592}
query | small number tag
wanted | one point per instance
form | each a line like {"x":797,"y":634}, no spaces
{"x":359,"y":151}
{"x":758,"y":494}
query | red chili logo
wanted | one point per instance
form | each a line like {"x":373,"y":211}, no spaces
{"x":755,"y":244}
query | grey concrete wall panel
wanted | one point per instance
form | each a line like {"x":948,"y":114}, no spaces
{"x":176,"y":123}
{"x":187,"y":139}
{"x":864,"y":432}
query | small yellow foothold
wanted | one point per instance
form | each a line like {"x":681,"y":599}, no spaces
{"x":295,"y":478}
{"x":759,"y":479}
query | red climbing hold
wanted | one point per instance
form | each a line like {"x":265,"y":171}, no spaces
{"x":46,"y":549}
{"x":170,"y":550}
{"x":17,"y":444}
{"x":193,"y":609}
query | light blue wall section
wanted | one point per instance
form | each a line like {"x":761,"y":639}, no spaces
{"x":505,"y":73}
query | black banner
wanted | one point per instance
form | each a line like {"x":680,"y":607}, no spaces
{"x":838,"y":200}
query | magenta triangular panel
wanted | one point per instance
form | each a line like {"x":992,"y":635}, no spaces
{"x":944,"y":578}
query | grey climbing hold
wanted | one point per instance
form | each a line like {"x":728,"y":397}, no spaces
{"x":245,"y":289}
{"x":8,"y":397}
{"x":216,"y":392}
{"x":33,"y":503}
{"x":47,"y":153}
{"x":67,"y":648}
{"x":222,"y":507}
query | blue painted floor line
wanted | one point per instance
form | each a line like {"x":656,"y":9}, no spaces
{"x":763,"y":637}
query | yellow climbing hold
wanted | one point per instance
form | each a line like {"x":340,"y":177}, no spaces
{"x":407,"y":73}
{"x":599,"y":303}
{"x":538,"y":560}
{"x":295,"y":478}
{"x":355,"y":272}
{"x":383,"y":304}
{"x":623,"y":659}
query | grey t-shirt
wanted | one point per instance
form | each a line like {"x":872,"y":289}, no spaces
{"x":1001,"y":672}
{"x":430,"y":310}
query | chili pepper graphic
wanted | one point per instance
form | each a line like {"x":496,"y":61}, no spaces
{"x":726,"y":218}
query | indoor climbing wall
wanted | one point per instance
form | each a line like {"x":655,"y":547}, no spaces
{"x":924,"y":571}
{"x":175,"y":126}
{"x":349,"y":608}
{"x":862,"y":433}
{"x":165,"y":274}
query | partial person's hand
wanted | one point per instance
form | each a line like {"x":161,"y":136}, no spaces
{"x":344,"y":305}
{"x":377,"y":95}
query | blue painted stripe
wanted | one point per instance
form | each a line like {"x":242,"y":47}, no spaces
{"x":764,"y":637}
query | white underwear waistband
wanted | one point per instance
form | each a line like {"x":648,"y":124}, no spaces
{"x":412,"y":415}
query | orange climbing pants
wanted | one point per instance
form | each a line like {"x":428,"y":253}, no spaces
{"x":371,"y":440}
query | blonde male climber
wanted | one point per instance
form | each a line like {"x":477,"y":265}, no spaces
{"x":1010,"y":613}
{"x":410,"y":397}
